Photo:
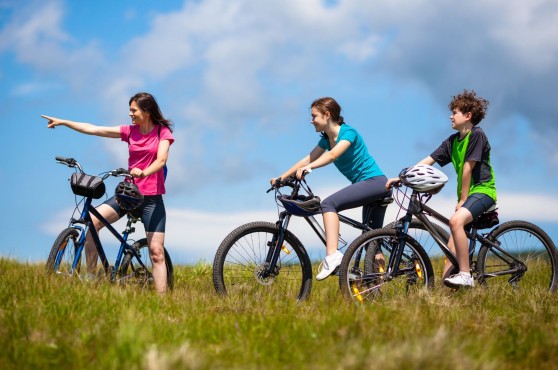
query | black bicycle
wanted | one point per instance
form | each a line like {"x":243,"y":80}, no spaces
{"x":388,"y":262}
{"x":266,"y":258}
{"x":132,"y":265}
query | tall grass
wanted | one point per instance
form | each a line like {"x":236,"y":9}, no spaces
{"x":66,"y":323}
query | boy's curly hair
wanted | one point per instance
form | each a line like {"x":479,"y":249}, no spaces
{"x":469,"y":101}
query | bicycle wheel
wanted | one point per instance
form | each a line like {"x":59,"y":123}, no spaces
{"x":534,"y":262}
{"x":63,"y":253}
{"x":363,"y":276}
{"x":419,"y":232}
{"x":132,"y":272}
{"x":240,"y":264}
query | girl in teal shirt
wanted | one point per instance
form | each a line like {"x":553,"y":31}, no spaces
{"x":343,"y":146}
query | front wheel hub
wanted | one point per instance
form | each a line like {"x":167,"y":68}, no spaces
{"x":262,"y":274}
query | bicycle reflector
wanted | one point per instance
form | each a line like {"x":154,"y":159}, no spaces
{"x":285,"y":249}
{"x":418,"y":269}
{"x":356,"y":292}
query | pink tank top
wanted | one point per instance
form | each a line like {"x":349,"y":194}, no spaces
{"x":143,"y":151}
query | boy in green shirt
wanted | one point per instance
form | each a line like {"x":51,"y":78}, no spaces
{"x":469,"y":151}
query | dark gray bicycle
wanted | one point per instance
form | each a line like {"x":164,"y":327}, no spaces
{"x":389,"y":262}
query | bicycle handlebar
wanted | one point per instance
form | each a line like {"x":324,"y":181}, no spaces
{"x":71,"y":162}
{"x":291,"y":181}
{"x":118,"y":172}
{"x":279,"y":183}
{"x":396,"y":184}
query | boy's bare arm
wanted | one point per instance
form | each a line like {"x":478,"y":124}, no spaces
{"x":428,"y":160}
{"x":466,"y":181}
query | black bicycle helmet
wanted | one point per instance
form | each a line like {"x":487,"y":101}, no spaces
{"x":128,"y":196}
{"x":301,"y":207}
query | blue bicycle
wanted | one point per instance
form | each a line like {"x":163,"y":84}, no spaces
{"x":132,"y":265}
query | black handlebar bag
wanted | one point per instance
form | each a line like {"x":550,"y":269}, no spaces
{"x":87,"y":185}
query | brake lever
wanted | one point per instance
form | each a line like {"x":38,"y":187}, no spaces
{"x":276,"y":185}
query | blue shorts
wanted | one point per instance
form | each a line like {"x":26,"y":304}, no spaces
{"x":152,"y":212}
{"x":478,"y":203}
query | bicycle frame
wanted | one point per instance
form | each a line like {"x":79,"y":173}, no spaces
{"x":87,"y":221}
{"x":319,"y":230}
{"x":420,"y":210}
{"x":283,"y":223}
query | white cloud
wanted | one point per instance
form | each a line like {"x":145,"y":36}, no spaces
{"x":505,"y":50}
{"x":33,"y":88}
{"x":28,"y":28}
{"x":360,"y":50}
{"x":37,"y":39}
{"x":528,"y":30}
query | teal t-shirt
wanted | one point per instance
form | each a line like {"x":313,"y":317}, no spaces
{"x":356,"y":164}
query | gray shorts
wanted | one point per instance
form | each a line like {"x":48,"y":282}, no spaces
{"x":152,"y":212}
{"x":360,"y":194}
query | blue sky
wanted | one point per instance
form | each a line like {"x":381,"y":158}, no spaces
{"x":237,"y":78}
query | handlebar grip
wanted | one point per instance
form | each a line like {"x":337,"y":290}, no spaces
{"x":276,"y":184}
{"x":121,"y":171}
{"x":71,"y":162}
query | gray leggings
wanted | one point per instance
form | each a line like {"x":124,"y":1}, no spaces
{"x":361,"y":193}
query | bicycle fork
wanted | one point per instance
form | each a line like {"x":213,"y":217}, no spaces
{"x":381,"y":273}
{"x":401,"y":231}
{"x":276,"y":246}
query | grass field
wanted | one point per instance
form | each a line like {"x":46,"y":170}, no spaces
{"x":64,"y":323}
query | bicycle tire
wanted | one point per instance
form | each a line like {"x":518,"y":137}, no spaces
{"x":132,"y":273}
{"x":362,"y":282}
{"x":241,"y":258}
{"x":63,"y":253}
{"x":419,"y":232}
{"x":528,"y":243}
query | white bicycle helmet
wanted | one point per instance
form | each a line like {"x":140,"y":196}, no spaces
{"x":423,"y":178}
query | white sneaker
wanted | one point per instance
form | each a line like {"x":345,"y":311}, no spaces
{"x":329,"y":265}
{"x":462,"y":279}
